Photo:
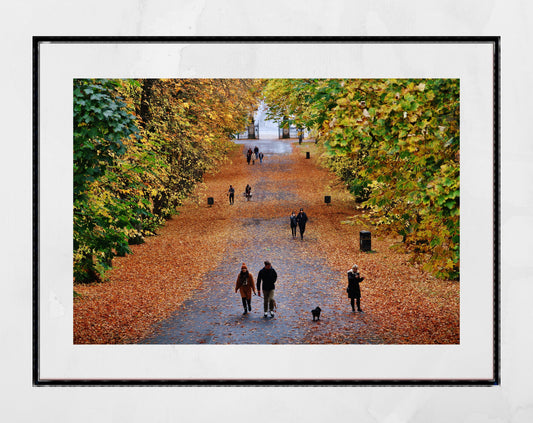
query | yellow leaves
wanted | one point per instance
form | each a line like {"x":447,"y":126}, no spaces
{"x":343,"y":102}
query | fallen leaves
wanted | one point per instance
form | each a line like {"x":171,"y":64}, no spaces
{"x":402,"y":304}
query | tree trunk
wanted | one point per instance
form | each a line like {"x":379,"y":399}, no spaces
{"x":146,"y":95}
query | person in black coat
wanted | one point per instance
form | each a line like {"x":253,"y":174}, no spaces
{"x":231,"y":194}
{"x":301,"y":219}
{"x":354,"y":291}
{"x":267,"y":276}
{"x":294,"y":223}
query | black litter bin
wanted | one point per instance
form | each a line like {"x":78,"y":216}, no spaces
{"x":307,"y":155}
{"x":365,"y":241}
{"x":210,"y":201}
{"x":327,"y":199}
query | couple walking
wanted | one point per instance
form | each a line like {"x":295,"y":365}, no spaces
{"x":247,"y":193}
{"x":267,"y":276}
{"x":298,"y":220}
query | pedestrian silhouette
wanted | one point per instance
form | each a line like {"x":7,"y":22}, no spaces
{"x":231,"y":194}
{"x":293,"y":223}
{"x":353,"y":290}
{"x":301,"y":219}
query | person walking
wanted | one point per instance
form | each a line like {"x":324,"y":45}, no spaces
{"x":245,"y":284}
{"x":231,"y":194}
{"x":301,"y":219}
{"x":256,"y":152}
{"x":294,"y":223}
{"x":249,"y":155}
{"x":248,"y":192}
{"x":353,"y":290}
{"x":267,"y":276}
{"x":261,"y":155}
{"x":300,"y":136}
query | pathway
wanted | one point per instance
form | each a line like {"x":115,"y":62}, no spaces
{"x":214,"y":314}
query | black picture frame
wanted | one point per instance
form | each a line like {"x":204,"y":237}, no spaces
{"x":38,"y":381}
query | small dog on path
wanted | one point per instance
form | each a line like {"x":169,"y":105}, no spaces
{"x":316,"y":313}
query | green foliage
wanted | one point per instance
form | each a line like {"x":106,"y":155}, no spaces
{"x":396,"y":145}
{"x":102,"y":123}
{"x":140,"y":147}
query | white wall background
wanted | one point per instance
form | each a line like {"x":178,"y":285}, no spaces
{"x":510,"y":402}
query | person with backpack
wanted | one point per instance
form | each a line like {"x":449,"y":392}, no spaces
{"x":245,"y":284}
{"x":294,"y":223}
{"x":267,"y":276}
{"x":353,"y":290}
{"x":248,"y":192}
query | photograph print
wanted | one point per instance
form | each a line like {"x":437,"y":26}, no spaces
{"x":208,"y":204}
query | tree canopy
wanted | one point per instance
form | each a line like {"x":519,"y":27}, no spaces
{"x":396,"y":144}
{"x":140,"y":146}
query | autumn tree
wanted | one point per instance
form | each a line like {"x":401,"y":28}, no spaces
{"x":396,"y":144}
{"x":140,"y":147}
{"x":103,"y":125}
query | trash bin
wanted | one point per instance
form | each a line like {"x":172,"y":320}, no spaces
{"x":210,"y":201}
{"x":327,"y":199}
{"x":307,"y":155}
{"x":365,"y":241}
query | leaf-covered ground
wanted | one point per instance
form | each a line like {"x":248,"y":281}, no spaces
{"x":178,"y":287}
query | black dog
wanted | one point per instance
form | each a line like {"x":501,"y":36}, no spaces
{"x":316,"y":313}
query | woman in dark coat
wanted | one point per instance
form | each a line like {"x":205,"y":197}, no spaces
{"x":294,"y":223}
{"x":245,"y":284}
{"x":354,"y":292}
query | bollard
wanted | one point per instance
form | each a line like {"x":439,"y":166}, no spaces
{"x":307,"y":155}
{"x":210,"y":201}
{"x":365,"y":241}
{"x":327,"y":199}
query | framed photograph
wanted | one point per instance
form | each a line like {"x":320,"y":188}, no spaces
{"x":155,"y":265}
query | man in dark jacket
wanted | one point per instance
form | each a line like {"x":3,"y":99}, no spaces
{"x":301,"y":219}
{"x":267,"y":276}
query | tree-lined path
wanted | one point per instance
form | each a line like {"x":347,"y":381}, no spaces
{"x":178,"y":287}
{"x":261,"y":231}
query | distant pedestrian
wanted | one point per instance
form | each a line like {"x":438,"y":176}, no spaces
{"x":301,"y":219}
{"x":267,"y":276}
{"x":294,"y":223}
{"x":231,"y":194}
{"x":300,"y":136}
{"x":353,"y":290}
{"x":245,"y":284}
{"x":261,"y":155}
{"x":248,"y":192}
{"x":249,"y":155}
{"x":256,"y":152}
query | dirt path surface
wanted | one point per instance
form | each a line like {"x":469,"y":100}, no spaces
{"x":215,"y":314}
{"x":179,"y":287}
